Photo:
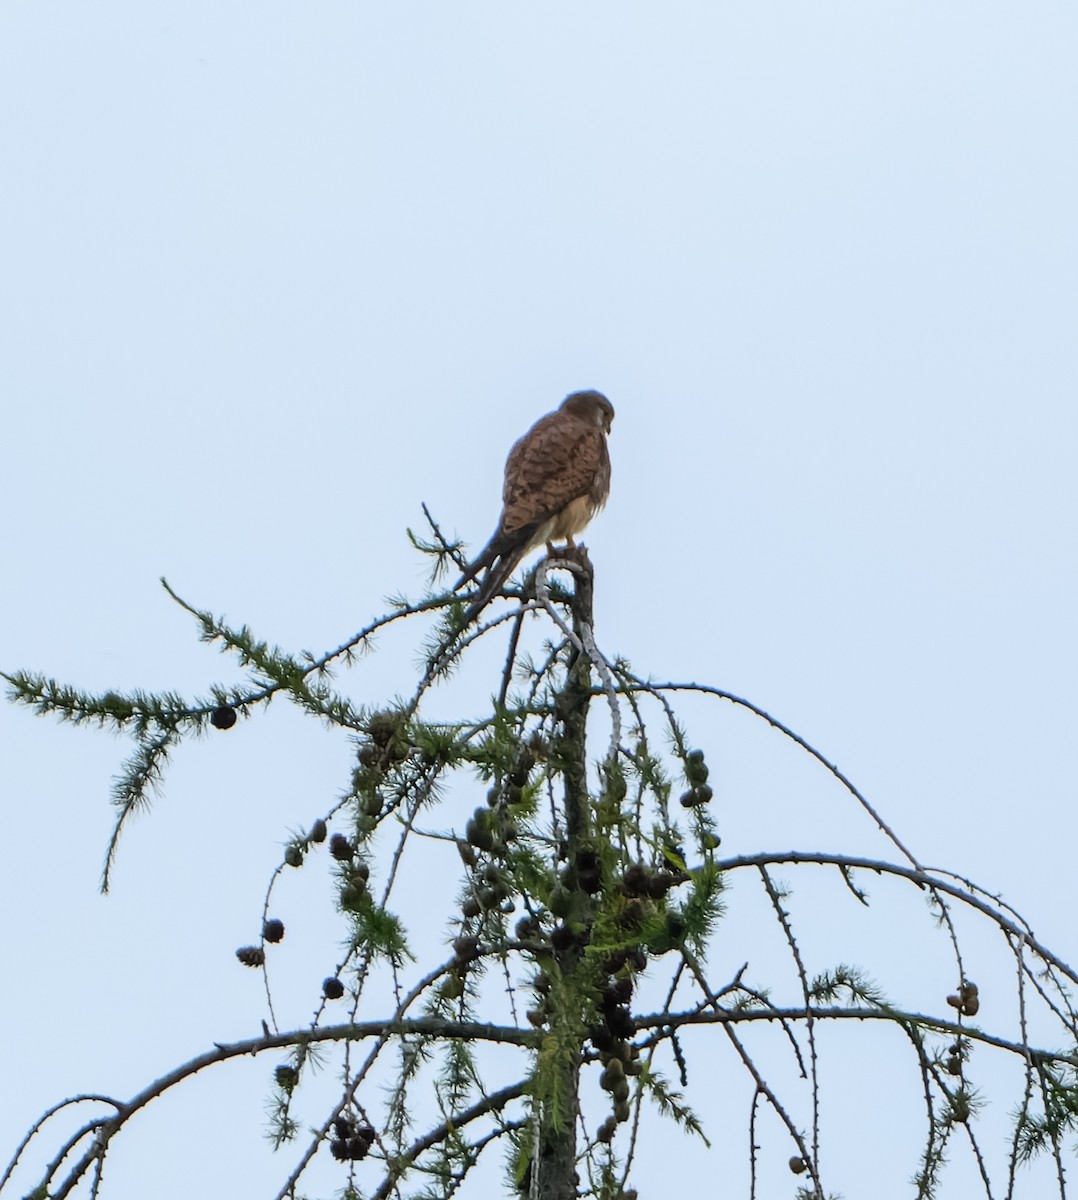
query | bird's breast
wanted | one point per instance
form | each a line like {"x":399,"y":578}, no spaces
{"x":571,"y":520}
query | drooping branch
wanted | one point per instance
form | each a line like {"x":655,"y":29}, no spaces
{"x":917,"y":876}
{"x":427,"y":1027}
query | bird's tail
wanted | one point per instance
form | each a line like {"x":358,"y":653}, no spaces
{"x":497,"y":573}
{"x":499,"y":558}
{"x":484,"y":559}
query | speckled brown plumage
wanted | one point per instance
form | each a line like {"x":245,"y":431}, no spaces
{"x":557,"y":477}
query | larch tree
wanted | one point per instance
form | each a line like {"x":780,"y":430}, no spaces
{"x":579,"y":816}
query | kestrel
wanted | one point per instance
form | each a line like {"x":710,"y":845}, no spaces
{"x":557,"y":477}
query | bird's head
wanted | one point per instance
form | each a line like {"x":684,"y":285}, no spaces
{"x":591,"y":406}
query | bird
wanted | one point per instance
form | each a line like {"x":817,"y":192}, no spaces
{"x":557,"y":477}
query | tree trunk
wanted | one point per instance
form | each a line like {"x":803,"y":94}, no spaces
{"x":557,"y":1176}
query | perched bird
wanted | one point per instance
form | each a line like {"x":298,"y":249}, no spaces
{"x":557,"y":477}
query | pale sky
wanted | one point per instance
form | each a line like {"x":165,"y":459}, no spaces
{"x":271,"y":276}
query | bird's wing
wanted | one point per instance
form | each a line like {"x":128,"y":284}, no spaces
{"x":553,"y":464}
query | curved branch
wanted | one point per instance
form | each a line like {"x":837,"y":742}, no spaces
{"x":492,"y":1103}
{"x":916,"y":875}
{"x":430,"y":1027}
{"x":740,"y":702}
{"x":88,"y":1097}
{"x":710,"y":1016}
